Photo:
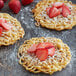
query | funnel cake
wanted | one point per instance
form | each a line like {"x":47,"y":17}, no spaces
{"x":52,"y":64}
{"x":12,"y":35}
{"x":57,"y":23}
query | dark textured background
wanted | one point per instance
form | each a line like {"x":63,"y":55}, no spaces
{"x":8,"y":55}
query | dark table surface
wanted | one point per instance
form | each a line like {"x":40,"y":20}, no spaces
{"x":9,"y":65}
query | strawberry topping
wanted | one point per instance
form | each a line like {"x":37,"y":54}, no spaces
{"x":57,"y":9}
{"x":42,"y":50}
{"x":65,"y":11}
{"x":1,"y":31}
{"x":51,"y":51}
{"x":5,"y":25}
{"x":60,"y":9}
{"x":58,"y":4}
{"x":32,"y":48}
{"x":53,"y":12}
{"x":42,"y":54}
{"x":47,"y":10}
{"x":3,"y":21}
{"x":45,"y":45}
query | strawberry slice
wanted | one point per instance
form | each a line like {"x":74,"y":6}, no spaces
{"x":1,"y":31}
{"x":47,"y":10}
{"x":42,"y":54}
{"x":6,"y":26}
{"x":32,"y":49}
{"x":65,"y":11}
{"x":60,"y":9}
{"x":45,"y":45}
{"x":51,"y":51}
{"x":53,"y":12}
{"x":58,"y":4}
{"x":3,"y":20}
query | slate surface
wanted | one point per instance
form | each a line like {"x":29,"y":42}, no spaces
{"x":8,"y":55}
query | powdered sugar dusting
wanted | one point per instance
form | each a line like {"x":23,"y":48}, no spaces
{"x":8,"y":54}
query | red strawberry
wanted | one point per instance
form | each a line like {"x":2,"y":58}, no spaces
{"x":1,"y":31}
{"x":65,"y":11}
{"x":15,"y":5}
{"x":58,"y":4}
{"x":45,"y":45}
{"x":47,"y":10}
{"x":5,"y":0}
{"x":60,"y":9}
{"x":5,"y":25}
{"x":26,"y":2}
{"x":2,"y":20}
{"x":32,"y":48}
{"x":42,"y":54}
{"x":53,"y":12}
{"x":51,"y":51}
{"x":1,"y":4}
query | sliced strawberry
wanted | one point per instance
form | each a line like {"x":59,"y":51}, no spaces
{"x":26,"y":2}
{"x":51,"y":51}
{"x":58,"y":4}
{"x":65,"y":11}
{"x":53,"y":12}
{"x":1,"y":29}
{"x":3,"y":21}
{"x":32,"y":48}
{"x":47,"y":10}
{"x":42,"y":54}
{"x":6,"y":26}
{"x":60,"y":9}
{"x":45,"y":45}
{"x":15,"y":6}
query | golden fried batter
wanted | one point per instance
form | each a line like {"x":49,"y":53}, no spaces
{"x":11,"y":36}
{"x":57,"y":23}
{"x":60,"y":59}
